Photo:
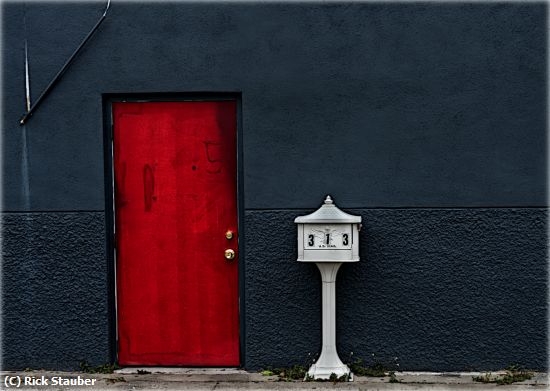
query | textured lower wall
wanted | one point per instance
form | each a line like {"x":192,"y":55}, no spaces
{"x":282,"y":296}
{"x":440,"y":289}
{"x":55,"y":290}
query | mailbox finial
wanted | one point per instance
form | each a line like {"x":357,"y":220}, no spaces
{"x":328,"y":200}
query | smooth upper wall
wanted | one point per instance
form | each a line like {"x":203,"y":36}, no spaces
{"x":379,"y":104}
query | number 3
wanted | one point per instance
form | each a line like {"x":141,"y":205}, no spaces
{"x":345,"y":239}
{"x":311,"y":240}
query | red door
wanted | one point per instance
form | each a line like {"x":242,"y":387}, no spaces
{"x":175,"y":200}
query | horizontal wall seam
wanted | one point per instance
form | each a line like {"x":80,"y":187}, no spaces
{"x":304,"y":209}
{"x":402,"y":208}
{"x":50,"y":211}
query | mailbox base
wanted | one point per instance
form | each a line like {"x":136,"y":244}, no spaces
{"x":329,"y":362}
{"x":324,"y":372}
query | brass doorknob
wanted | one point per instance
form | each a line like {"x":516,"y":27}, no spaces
{"x":229,"y":254}
{"x":229,"y":235}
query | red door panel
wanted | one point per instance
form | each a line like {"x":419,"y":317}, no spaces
{"x":175,"y":198}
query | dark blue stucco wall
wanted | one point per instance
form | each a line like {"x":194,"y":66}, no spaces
{"x":440,"y":289}
{"x":55,"y":278}
{"x":429,"y":119}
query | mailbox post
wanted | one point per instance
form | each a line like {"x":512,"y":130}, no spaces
{"x":328,"y":237}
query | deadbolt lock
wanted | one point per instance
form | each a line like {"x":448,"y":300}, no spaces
{"x":229,"y":235}
{"x":229,"y":254}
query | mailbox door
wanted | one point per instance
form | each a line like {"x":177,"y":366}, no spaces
{"x":175,"y":199}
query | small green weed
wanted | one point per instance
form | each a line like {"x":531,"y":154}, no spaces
{"x":295,"y":372}
{"x":376,"y":369}
{"x":335,"y":378}
{"x":514,"y":373}
{"x":393,"y":378}
{"x":485,"y":378}
{"x":103,"y":368}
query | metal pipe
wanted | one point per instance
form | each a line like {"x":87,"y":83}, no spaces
{"x":50,"y":86}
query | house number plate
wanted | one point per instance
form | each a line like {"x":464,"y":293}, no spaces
{"x":327,"y":236}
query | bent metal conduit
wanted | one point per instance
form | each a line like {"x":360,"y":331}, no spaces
{"x":50,"y":86}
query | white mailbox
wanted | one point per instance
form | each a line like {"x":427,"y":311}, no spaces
{"x":328,"y":237}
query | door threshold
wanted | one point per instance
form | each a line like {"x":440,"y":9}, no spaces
{"x":180,"y":370}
